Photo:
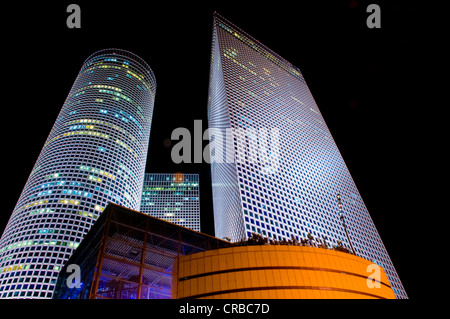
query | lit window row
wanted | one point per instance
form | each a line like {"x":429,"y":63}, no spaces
{"x":98,"y":171}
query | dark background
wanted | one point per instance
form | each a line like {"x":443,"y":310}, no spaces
{"x":365,"y":81}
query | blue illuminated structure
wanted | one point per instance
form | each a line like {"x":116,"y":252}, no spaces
{"x":130,"y":255}
{"x":95,"y":153}
{"x":287,"y":169}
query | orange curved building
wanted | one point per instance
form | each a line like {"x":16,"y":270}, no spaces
{"x":278,"y":272}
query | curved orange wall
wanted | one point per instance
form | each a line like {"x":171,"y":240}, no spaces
{"x":275,"y":272}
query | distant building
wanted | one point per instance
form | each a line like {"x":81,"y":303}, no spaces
{"x":172,"y":197}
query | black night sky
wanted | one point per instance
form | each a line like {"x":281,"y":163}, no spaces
{"x":363,"y":80}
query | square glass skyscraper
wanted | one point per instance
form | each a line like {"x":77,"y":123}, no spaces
{"x":172,"y":197}
{"x":275,"y":167}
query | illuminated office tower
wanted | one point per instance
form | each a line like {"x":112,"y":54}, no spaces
{"x":286,"y":171}
{"x":173,"y":197}
{"x":95,"y":154}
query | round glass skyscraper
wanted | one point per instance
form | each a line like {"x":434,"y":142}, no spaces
{"x":95,"y":154}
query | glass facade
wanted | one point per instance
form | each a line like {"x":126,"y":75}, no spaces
{"x":287,"y":169}
{"x":95,"y":154}
{"x":130,"y":255}
{"x":172,"y":197}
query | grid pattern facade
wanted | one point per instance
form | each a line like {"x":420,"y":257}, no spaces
{"x":172,"y":197}
{"x":95,"y":154}
{"x":288,"y":188}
